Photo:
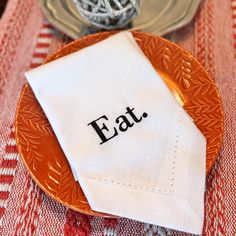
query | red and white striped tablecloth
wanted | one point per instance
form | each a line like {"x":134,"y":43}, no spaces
{"x":25,"y":40}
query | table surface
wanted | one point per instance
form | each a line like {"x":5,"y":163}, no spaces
{"x":25,"y":40}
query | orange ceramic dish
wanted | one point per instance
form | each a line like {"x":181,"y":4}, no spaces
{"x":185,"y":77}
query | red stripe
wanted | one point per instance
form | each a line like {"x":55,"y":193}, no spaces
{"x":77,"y":224}
{"x":44,"y":35}
{"x":30,"y":206}
{"x":39,"y":55}
{"x":33,"y":65}
{"x":2,"y":210}
{"x":9,"y":164}
{"x":12,"y":134}
{"x":110,"y":223}
{"x":42,"y":45}
{"x":46,"y":25}
{"x":4,"y":195}
{"x":6,"y":179}
{"x":11,"y":149}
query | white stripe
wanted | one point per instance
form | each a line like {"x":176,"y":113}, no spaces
{"x":12,"y":142}
{"x":43,"y":40}
{"x":5,"y":187}
{"x":23,"y":218}
{"x":109,"y":231}
{"x":11,"y":156}
{"x":34,"y":206}
{"x":3,"y":203}
{"x":233,"y":3}
{"x":234,"y":12}
{"x":37,"y":60}
{"x":41,"y":50}
{"x":46,"y":31}
{"x":7,"y":171}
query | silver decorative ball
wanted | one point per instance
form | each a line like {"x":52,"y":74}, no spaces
{"x":108,"y":14}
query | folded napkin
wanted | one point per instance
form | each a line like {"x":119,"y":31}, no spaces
{"x":134,"y":150}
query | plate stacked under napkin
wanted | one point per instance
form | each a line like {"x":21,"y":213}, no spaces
{"x":134,"y":150}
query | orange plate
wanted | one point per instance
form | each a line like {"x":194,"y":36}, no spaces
{"x":185,"y":77}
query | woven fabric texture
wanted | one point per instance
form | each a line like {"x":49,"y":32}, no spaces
{"x":25,"y":40}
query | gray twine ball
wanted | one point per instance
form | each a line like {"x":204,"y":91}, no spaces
{"x":108,"y":14}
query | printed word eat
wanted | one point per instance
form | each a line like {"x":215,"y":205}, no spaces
{"x":124,"y":122}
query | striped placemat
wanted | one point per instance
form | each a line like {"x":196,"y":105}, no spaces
{"x":25,"y":40}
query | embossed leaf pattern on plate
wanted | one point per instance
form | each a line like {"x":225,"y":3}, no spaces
{"x":42,"y":153}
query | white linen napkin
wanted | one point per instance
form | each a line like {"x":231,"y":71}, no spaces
{"x":134,"y":150}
